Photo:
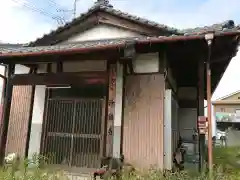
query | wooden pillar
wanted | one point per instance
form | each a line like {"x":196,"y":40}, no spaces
{"x":6,"y":112}
{"x":209,"y":38}
{"x":114,"y":121}
{"x":200,"y":111}
{"x":111,"y":107}
{"x":32,"y":71}
{"x":117,"y":124}
{"x":209,"y":116}
{"x":4,"y":85}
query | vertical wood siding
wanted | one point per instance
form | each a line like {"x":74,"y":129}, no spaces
{"x":111,"y":108}
{"x":18,"y":122}
{"x":143,"y":120}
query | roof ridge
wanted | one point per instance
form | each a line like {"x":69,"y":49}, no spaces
{"x":228,"y":95}
{"x":104,"y":5}
{"x":228,"y":24}
{"x":138,"y":18}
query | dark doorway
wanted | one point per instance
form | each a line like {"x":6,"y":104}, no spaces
{"x":74,"y":126}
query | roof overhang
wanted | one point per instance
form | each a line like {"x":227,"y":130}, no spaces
{"x":114,"y":44}
{"x":182,"y":47}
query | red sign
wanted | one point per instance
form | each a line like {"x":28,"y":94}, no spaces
{"x":202,"y":124}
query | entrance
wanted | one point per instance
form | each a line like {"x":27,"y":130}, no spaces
{"x":74,"y":127}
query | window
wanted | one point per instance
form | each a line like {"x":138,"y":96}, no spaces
{"x":222,"y":109}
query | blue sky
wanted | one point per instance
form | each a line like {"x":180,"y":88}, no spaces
{"x":21,"y":25}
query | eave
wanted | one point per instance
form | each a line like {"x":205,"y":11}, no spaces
{"x":185,"y":52}
{"x":226,"y":102}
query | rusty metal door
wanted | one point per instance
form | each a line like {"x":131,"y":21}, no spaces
{"x":74,"y":132}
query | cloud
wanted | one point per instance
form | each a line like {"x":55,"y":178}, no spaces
{"x":19,"y":25}
{"x":184,"y":13}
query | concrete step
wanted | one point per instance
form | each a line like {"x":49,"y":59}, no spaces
{"x":78,"y":176}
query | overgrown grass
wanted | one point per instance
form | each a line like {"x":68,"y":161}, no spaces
{"x":227,"y":167}
{"x":34,"y":169}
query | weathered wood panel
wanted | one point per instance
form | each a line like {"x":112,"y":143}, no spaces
{"x":111,"y":106}
{"x":18,"y":122}
{"x":143,"y":120}
{"x":59,"y":78}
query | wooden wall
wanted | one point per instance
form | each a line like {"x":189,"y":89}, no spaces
{"x":143,"y":120}
{"x":18,"y":121}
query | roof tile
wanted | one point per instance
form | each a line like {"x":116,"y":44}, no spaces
{"x":94,"y":44}
{"x":104,"y":5}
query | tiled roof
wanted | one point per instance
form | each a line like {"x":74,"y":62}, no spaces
{"x":62,"y":47}
{"x":8,"y":45}
{"x":103,"y":5}
{"x":228,"y":25}
{"x":121,"y":42}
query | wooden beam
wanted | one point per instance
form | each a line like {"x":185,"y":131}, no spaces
{"x":200,"y":111}
{"x":4,"y":84}
{"x":32,"y":71}
{"x":187,"y":103}
{"x":96,"y":55}
{"x":3,"y":77}
{"x":59,"y":78}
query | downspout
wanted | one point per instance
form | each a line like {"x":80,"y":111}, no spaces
{"x":32,"y":71}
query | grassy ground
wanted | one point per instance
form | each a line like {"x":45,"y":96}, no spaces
{"x":227,"y":162}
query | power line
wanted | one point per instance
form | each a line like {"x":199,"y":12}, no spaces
{"x":56,"y":6}
{"x":27,"y":5}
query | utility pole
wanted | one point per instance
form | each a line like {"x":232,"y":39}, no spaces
{"x":74,"y":8}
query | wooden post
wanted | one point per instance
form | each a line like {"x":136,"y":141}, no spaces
{"x":117,"y":123}
{"x":114,"y":121}
{"x":32,"y":71}
{"x":209,"y":38}
{"x":111,"y":107}
{"x":201,"y":112}
{"x":209,"y":114}
{"x":4,"y":85}
{"x":6,"y":112}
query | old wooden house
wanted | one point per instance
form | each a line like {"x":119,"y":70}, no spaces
{"x":110,"y":83}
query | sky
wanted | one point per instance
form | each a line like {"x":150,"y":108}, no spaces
{"x":26,"y":20}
